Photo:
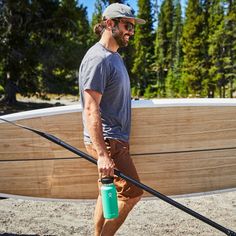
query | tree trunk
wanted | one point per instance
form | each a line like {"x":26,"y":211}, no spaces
{"x":10,"y":92}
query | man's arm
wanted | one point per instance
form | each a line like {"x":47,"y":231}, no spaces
{"x":94,"y":125}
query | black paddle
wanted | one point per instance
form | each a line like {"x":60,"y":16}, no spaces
{"x":133,"y":181}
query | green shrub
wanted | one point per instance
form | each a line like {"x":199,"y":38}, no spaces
{"x":1,"y":90}
{"x":150,"y":92}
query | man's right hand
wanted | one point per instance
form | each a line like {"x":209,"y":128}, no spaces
{"x":105,"y":166}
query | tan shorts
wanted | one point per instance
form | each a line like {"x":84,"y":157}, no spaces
{"x":119,"y":152}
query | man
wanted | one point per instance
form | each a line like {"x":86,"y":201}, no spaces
{"x":106,"y":100}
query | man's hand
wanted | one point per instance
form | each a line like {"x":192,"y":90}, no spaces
{"x":105,"y":166}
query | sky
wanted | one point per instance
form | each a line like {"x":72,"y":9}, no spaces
{"x":90,"y":6}
{"x":133,"y":3}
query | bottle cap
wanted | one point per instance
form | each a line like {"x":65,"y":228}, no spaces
{"x":107,"y":180}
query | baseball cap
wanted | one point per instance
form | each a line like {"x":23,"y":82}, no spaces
{"x":116,"y":10}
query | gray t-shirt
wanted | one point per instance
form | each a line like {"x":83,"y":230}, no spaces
{"x":104,"y":71}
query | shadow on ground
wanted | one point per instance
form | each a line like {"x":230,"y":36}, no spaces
{"x":10,"y":234}
{"x":24,"y":106}
{"x":7,"y":234}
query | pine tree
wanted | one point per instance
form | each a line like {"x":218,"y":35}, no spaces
{"x":216,"y":51}
{"x":15,"y":46}
{"x":193,"y":48}
{"x":43,"y":47}
{"x":73,"y":42}
{"x":205,"y":66}
{"x":222,"y":39}
{"x":230,"y":46}
{"x":174,"y":85}
{"x":164,"y":49}
{"x":143,"y":47}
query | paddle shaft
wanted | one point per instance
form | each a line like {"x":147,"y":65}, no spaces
{"x":163,"y":197}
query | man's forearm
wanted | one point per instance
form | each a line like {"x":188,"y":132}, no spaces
{"x":94,"y":126}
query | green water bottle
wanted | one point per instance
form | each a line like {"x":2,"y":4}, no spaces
{"x":109,"y":198}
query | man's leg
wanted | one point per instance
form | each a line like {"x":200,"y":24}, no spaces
{"x":98,"y":217}
{"x":129,"y":194}
{"x":111,"y":226}
{"x":98,"y":213}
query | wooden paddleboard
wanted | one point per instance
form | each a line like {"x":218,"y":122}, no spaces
{"x":179,"y":146}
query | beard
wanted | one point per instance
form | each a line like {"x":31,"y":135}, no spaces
{"x":119,"y":37}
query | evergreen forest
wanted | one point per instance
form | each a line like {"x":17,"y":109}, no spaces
{"x":183,"y":50}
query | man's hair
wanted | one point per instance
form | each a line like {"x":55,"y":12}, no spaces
{"x":99,"y":28}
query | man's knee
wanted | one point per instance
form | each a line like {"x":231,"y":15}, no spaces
{"x":130,"y":203}
{"x":136,"y":199}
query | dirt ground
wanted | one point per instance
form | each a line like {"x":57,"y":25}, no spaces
{"x":149,"y":217}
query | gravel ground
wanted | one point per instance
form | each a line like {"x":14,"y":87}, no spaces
{"x":149,"y":217}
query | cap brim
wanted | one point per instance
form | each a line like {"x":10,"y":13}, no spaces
{"x":139,"y":21}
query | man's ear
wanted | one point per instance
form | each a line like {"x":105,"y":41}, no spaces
{"x":110,"y":24}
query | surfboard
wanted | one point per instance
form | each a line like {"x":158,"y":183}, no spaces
{"x":179,"y":146}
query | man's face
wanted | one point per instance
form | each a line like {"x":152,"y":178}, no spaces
{"x":122,"y":31}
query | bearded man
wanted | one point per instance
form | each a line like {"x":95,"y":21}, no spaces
{"x":106,"y":100}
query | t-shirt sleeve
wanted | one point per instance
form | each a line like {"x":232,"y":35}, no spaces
{"x":95,"y":75}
